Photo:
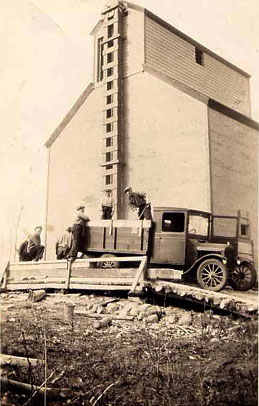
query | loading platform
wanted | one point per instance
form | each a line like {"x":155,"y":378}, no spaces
{"x":83,"y":275}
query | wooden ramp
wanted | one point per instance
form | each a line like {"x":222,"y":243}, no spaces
{"x":81,"y":274}
{"x":242,"y":303}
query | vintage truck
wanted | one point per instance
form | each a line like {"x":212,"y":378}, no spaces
{"x":215,"y":250}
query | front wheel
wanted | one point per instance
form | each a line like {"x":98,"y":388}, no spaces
{"x":243,"y":277}
{"x":212,"y":275}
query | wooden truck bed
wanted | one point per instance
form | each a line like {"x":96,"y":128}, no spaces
{"x":117,"y":236}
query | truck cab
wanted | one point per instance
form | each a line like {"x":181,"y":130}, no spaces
{"x":177,"y":233}
{"x":217,"y":249}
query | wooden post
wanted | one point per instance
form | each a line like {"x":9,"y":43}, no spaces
{"x":139,"y":274}
{"x":3,"y":276}
{"x":69,"y":268}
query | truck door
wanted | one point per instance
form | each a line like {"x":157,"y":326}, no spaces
{"x":169,"y":238}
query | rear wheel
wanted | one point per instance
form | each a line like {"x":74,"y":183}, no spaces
{"x":212,"y":275}
{"x":108,"y":264}
{"x":243,"y":277}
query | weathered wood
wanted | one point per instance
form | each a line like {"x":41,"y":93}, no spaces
{"x":3,"y":275}
{"x":139,"y":274}
{"x":222,"y":300}
{"x":69,"y":268}
{"x":21,"y":361}
{"x":36,"y":296}
{"x":20,"y":387}
{"x":114,"y":259}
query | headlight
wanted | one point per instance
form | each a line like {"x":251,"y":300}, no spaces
{"x":224,"y":260}
{"x":238,"y":261}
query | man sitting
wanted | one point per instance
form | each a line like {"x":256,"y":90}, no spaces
{"x":34,"y":248}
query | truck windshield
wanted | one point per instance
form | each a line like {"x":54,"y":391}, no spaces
{"x":198,"y":224}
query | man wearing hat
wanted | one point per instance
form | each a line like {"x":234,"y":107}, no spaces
{"x":63,"y":244}
{"x":78,"y":230}
{"x":34,"y":247}
{"x":107,"y":205}
{"x":139,"y":202}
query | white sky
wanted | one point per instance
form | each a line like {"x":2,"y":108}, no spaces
{"x":46,"y":63}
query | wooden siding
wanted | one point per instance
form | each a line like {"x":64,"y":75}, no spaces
{"x":173,"y":56}
{"x":233,"y":150}
{"x":166,"y":144}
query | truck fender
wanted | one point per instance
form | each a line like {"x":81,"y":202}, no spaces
{"x":201,"y":259}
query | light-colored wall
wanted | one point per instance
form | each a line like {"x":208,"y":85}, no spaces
{"x":133,"y":44}
{"x":234,"y":159}
{"x":74,"y":173}
{"x":166,"y":52}
{"x":166,"y":144}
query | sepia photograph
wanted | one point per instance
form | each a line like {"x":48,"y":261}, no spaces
{"x":129,"y":195}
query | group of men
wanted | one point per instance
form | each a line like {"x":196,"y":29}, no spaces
{"x":138,"y":202}
{"x":69,"y":243}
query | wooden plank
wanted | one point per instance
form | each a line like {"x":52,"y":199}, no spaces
{"x":38,"y":265}
{"x":139,"y":273}
{"x":163,"y":273}
{"x":3,"y":275}
{"x":69,"y":268}
{"x":113,"y":259}
{"x":104,"y":273}
{"x":99,"y":287}
{"x":36,"y":286}
{"x":103,"y":281}
{"x":15,"y":360}
{"x":28,"y":274}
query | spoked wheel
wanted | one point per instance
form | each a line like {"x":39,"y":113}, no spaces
{"x":212,"y":275}
{"x":243,"y":276}
{"x":107,"y":264}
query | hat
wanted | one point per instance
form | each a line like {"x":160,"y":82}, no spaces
{"x":108,"y":190}
{"x":35,"y":228}
{"x":127,"y":189}
{"x":69,"y":229}
{"x":80,"y":207}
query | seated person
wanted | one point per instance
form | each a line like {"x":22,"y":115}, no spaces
{"x":34,"y":248}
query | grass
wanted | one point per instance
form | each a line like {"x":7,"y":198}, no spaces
{"x":136,"y":365}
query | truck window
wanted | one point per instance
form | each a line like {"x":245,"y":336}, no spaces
{"x":198,"y":225}
{"x":173,"y":222}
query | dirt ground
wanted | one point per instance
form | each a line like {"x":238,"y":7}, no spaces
{"x":109,"y":350}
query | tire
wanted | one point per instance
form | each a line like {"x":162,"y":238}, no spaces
{"x":212,"y":275}
{"x":108,"y":264}
{"x":243,"y":277}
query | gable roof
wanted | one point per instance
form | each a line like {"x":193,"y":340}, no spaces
{"x":179,"y":33}
{"x":68,"y":117}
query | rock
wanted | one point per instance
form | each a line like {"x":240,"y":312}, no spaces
{"x":125,"y":311}
{"x":185,"y":320}
{"x":134,"y":311}
{"x":172,"y":319}
{"x":105,"y":322}
{"x":141,"y":316}
{"x":100,"y":310}
{"x":112,"y":307}
{"x":153,"y":318}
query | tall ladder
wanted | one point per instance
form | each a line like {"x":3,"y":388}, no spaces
{"x":113,"y":102}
